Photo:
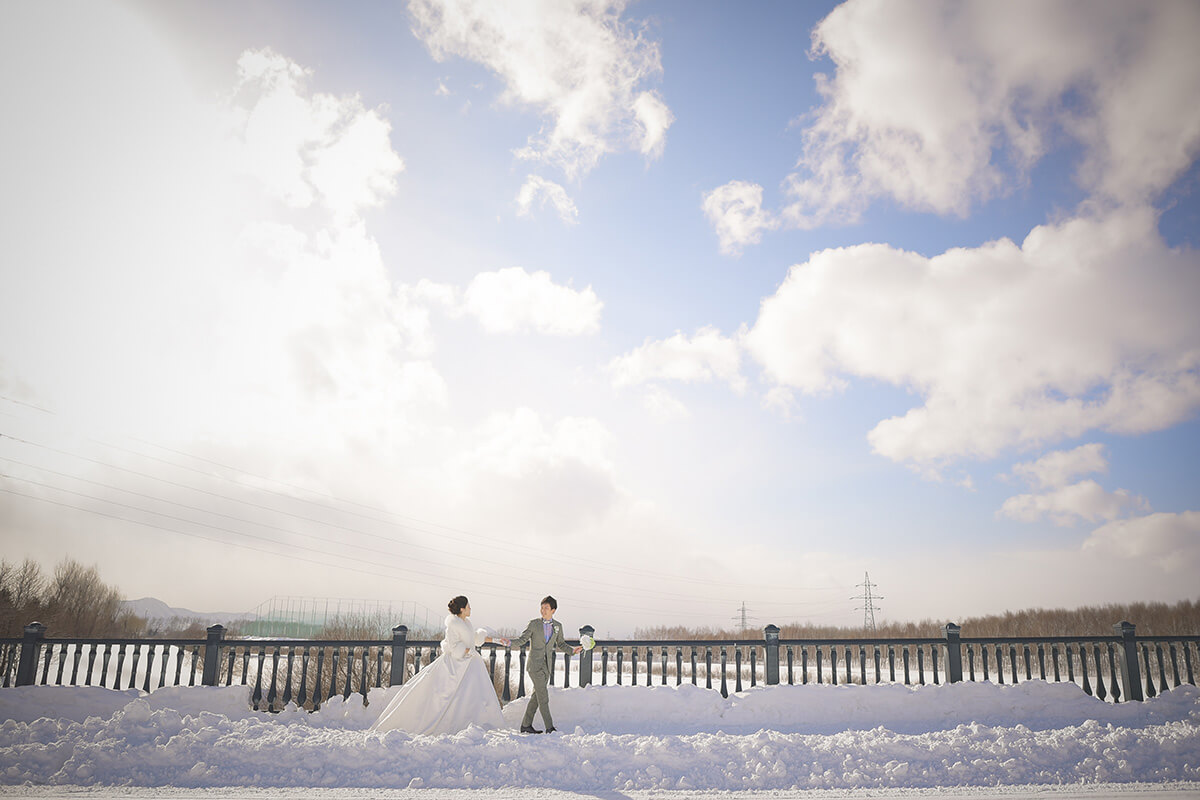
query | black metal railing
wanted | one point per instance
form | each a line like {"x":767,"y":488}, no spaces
{"x":308,"y":673}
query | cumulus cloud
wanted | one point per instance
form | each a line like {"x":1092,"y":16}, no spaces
{"x":931,"y":104}
{"x":706,"y":356}
{"x":1060,"y":467}
{"x":1169,"y":541}
{"x":512,"y":300}
{"x":1066,"y":505}
{"x":736,"y":214}
{"x":537,"y":189}
{"x":575,"y":61}
{"x":1088,"y":324}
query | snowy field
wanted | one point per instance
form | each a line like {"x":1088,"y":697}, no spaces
{"x":962,"y":740}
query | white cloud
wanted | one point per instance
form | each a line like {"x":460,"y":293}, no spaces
{"x":930,"y":104}
{"x":1169,"y":541}
{"x":512,"y":300}
{"x":575,"y":61}
{"x":1060,"y":467}
{"x":536,"y":187}
{"x":1087,"y":325}
{"x":706,"y":356}
{"x":1065,"y":505}
{"x":736,"y":214}
{"x":662,"y":405}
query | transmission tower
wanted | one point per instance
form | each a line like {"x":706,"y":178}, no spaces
{"x":868,"y":607}
{"x":742,"y":619}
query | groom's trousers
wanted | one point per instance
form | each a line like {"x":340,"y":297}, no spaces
{"x":539,"y":701}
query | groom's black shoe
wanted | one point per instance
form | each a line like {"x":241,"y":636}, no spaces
{"x":530,"y":729}
{"x":551,"y":729}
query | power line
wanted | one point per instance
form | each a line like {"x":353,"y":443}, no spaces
{"x":742,"y":619}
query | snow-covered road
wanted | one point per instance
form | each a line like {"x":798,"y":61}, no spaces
{"x":970,"y":740}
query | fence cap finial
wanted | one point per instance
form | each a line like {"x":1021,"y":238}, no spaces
{"x":951,"y":628}
{"x":1125,"y":627}
{"x":588,"y":630}
{"x":35,"y":628}
{"x":400,"y":629}
{"x":771,"y":631}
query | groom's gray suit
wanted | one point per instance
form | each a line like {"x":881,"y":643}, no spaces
{"x":541,"y":653}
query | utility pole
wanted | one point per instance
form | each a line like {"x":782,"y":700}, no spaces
{"x":868,"y":607}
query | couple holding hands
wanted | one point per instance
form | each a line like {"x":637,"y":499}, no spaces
{"x":456,"y":690}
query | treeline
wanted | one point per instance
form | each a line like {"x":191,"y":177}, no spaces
{"x":72,"y":601}
{"x":1151,"y":619}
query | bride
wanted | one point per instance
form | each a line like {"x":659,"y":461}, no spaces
{"x":454,"y":691}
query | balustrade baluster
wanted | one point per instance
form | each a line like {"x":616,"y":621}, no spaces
{"x":907,"y":680}
{"x":379,"y":665}
{"x":984,"y":653}
{"x":334,"y":655}
{"x":753,"y":667}
{"x":633,"y":666}
{"x":78,"y":653}
{"x":348,"y":689}
{"x":120,"y":666}
{"x":272,"y":693}
{"x":678,"y":666}
{"x":317,"y":694}
{"x":149,"y":668}
{"x":62,"y":661}
{"x":521,"y":675}
{"x":891,"y":663}
{"x":708,"y":667}
{"x":553,"y":665}
{"x":302,"y":695}
{"x":417,"y":661}
{"x":737,"y":665}
{"x":921,"y":665}
{"x":1070,"y":663}
{"x":791,"y":681}
{"x":260,"y":662}
{"x":803,"y":664}
{"x":1041,"y":655}
{"x":1174,"y":663}
{"x":664,"y":665}
{"x":363,"y":682}
{"x":849,"y":661}
{"x":999,"y":664}
{"x":287,"y":683}
{"x":933,"y":651}
{"x":104,"y":666}
{"x":1101,"y":691}
{"x":245,"y":664}
{"x":162,"y":671}
{"x":506,"y":692}
{"x":567,"y":670}
{"x":137,"y":656}
{"x":1114,"y":684}
{"x":862,"y":665}
{"x":649,"y":667}
{"x":724,"y":665}
{"x":87,"y":679}
{"x":621,"y":665}
{"x":1027,"y":657}
{"x":604,"y":666}
{"x":1012,"y":660}
{"x":971,"y":663}
{"x":1083,"y":670}
{"x":1162,"y":673}
{"x":1150,"y":692}
{"x":820,"y":676}
{"x":877,"y":665}
{"x":1054,"y":661}
{"x":1187,"y":660}
{"x":693,"y":659}
{"x":492,"y":664}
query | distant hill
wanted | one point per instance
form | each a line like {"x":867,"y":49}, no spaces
{"x":155,"y":609}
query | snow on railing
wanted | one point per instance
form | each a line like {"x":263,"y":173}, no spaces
{"x":279,"y":672}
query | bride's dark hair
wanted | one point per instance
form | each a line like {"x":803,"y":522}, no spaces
{"x":457,"y":605}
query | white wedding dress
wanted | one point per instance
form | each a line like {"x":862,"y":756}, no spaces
{"x":451,"y":693}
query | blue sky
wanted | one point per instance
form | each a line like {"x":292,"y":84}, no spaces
{"x":658,"y":307}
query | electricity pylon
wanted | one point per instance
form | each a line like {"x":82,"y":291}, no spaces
{"x":868,"y":607}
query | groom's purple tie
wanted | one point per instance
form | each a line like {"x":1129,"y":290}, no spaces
{"x":547,"y":629}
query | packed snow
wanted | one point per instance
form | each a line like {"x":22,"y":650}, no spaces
{"x":614,"y":739}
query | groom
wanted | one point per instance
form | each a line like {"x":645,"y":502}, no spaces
{"x":544,"y":635}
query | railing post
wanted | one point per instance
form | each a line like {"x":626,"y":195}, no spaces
{"x":585,"y":658}
{"x":953,"y":652}
{"x":31,"y":647}
{"x":1131,"y":673}
{"x":212,"y":655}
{"x":399,"y":654}
{"x":771,"y":635}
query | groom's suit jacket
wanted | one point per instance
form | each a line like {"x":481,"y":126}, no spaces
{"x":540,"y":650}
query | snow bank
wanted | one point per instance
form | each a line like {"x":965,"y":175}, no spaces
{"x":616,"y":738}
